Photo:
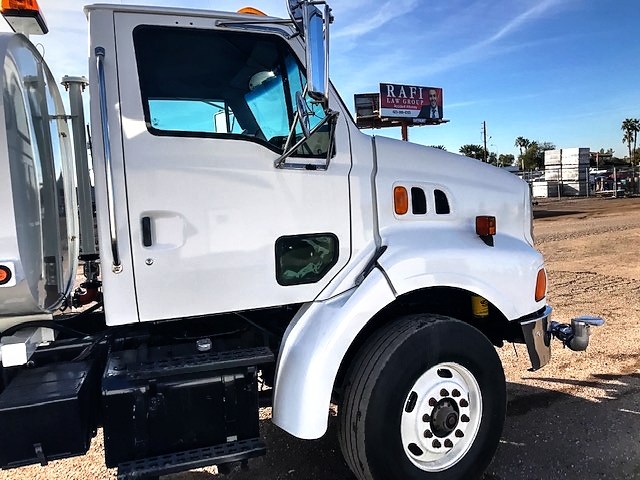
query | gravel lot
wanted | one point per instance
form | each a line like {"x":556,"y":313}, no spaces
{"x":577,"y":418}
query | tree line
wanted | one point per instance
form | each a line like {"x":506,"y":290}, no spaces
{"x":531,"y":155}
{"x":477,"y":152}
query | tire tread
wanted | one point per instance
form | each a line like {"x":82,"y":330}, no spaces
{"x":362,"y":379}
{"x":370,"y":361}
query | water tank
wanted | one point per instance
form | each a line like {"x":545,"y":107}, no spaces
{"x":38,"y":210}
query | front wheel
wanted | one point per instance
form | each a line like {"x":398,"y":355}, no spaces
{"x":424,"y":400}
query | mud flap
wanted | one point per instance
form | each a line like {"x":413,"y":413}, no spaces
{"x":537,"y":339}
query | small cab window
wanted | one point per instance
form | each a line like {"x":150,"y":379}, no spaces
{"x":304,"y":259}
{"x":210,"y":83}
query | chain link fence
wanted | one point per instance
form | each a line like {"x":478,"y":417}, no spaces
{"x":613,"y":181}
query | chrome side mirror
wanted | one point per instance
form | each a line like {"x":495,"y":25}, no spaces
{"x":313,"y":24}
{"x":316,"y":29}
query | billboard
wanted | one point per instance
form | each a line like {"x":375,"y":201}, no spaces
{"x":411,"y":102}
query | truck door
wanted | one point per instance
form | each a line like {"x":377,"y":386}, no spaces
{"x":214,"y":226}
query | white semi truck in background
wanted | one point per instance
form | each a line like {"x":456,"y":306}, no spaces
{"x":245,"y":245}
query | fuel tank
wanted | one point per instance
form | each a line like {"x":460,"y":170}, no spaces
{"x":38,"y":208}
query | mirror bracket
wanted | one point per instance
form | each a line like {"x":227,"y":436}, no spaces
{"x":330,"y":119}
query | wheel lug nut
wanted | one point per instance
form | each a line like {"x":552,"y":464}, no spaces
{"x":428,"y":434}
{"x":459,"y":433}
{"x":464,"y":418}
{"x":448,"y":443}
{"x":444,"y":393}
{"x":464,"y":403}
{"x":432,"y":402}
{"x":455,"y":393}
{"x":426,"y":418}
{"x":436,"y":444}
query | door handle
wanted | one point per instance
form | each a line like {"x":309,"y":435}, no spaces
{"x":146,"y":232}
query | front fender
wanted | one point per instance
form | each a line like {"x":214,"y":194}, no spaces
{"x":504,"y":274}
{"x":312,"y":350}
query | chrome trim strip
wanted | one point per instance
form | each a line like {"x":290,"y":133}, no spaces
{"x":536,"y":316}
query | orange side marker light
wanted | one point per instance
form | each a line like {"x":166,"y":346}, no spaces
{"x":400,"y":200}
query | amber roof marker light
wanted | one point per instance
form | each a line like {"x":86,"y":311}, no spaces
{"x":252,"y":11}
{"x":24,"y":16}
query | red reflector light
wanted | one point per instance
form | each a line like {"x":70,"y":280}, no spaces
{"x":485,"y":226}
{"x":5,"y":274}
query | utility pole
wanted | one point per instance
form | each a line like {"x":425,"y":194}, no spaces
{"x":484,"y":133}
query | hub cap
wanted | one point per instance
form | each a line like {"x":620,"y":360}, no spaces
{"x":441,"y":417}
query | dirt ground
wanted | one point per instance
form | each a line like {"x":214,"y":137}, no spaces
{"x":577,"y":418}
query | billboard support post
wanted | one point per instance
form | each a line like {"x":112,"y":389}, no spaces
{"x":405,"y":131}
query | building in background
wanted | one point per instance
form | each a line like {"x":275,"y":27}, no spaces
{"x":566,"y":173}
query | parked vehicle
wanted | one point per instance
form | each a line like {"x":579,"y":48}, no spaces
{"x":253,"y":247}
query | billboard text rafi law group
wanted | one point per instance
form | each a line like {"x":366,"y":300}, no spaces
{"x":410,"y":101}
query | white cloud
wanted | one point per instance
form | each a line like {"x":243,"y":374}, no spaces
{"x":519,"y":21}
{"x":456,"y":39}
{"x":368,"y":20}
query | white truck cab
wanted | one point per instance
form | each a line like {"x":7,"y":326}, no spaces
{"x":247,"y":233}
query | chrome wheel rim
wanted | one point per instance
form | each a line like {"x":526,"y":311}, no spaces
{"x":441,"y":417}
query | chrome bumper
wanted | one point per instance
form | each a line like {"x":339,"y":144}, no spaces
{"x":538,"y":330}
{"x":537,"y":337}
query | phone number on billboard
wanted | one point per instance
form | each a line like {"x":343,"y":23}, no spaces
{"x":402,"y":112}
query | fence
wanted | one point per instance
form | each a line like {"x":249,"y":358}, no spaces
{"x":615,"y":182}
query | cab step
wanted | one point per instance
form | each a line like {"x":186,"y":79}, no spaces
{"x":191,"y":459}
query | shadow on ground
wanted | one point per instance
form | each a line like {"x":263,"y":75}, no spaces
{"x":548,"y":435}
{"x":538,"y":213}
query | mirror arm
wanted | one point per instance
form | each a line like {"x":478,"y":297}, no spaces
{"x":296,"y":119}
{"x":331,"y":115}
{"x":332,"y":131}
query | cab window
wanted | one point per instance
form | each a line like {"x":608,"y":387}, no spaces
{"x":192,"y":115}
{"x":212,"y":83}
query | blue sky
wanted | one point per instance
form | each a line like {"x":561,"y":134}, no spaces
{"x":563,"y":71}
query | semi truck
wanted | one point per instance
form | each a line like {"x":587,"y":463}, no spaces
{"x":239,"y":243}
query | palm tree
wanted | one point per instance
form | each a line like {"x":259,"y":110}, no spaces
{"x":523,"y":144}
{"x":627,"y":138}
{"x":472,"y":151}
{"x":636,"y":129}
{"x":630,"y":128}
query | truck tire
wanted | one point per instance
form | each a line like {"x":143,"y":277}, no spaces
{"x":425,"y":399}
